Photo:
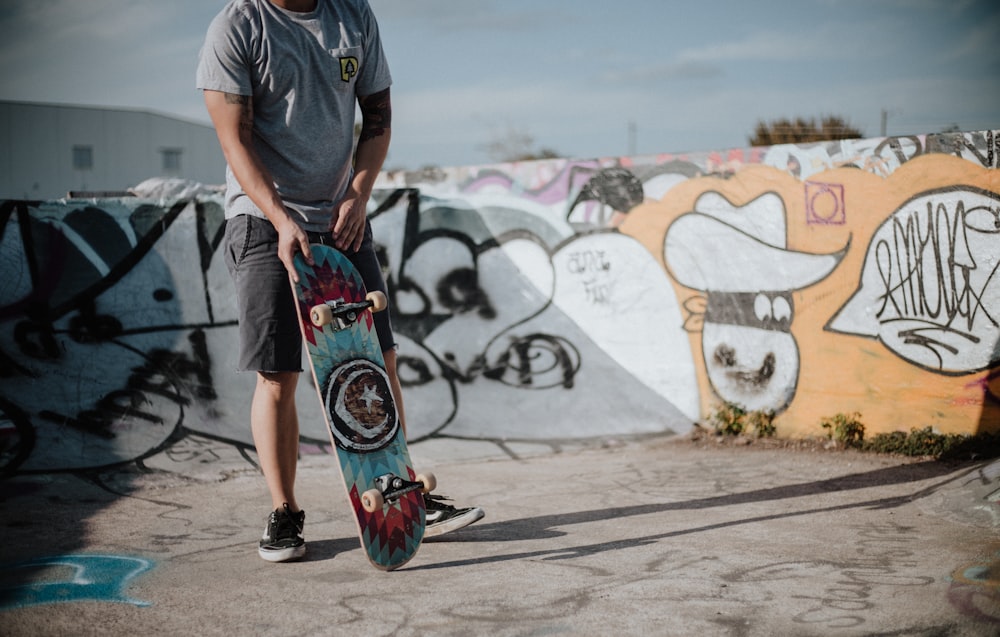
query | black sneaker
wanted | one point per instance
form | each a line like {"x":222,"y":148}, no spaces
{"x":282,"y":539}
{"x":443,"y":518}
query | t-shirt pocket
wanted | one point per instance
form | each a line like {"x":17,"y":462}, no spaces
{"x":346,"y":66}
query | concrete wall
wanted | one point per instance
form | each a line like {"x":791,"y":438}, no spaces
{"x":545,"y":301}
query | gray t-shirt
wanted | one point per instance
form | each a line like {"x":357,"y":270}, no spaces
{"x":304,"y":72}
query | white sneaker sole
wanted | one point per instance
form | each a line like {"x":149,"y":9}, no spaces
{"x":282,"y":555}
{"x":457,"y":522}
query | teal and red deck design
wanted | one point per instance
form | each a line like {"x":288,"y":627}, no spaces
{"x":357,"y":402}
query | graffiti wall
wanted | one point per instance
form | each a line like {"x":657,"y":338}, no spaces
{"x":810,"y":280}
{"x":543,"y":301}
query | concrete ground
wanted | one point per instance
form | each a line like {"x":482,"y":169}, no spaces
{"x":645,"y":537}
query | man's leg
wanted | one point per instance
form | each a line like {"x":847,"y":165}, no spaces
{"x":275,"y":426}
{"x":269,"y":340}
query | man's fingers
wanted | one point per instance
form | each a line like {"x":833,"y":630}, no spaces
{"x":292,"y":273}
{"x":350,"y":240}
{"x":288,"y":258}
{"x":306,"y":251}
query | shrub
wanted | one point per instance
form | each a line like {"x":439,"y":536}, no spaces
{"x":730,"y":419}
{"x":846,"y":429}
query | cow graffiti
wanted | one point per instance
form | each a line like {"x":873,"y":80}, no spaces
{"x":738,"y":256}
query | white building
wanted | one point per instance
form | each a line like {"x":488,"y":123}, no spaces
{"x":49,"y":150}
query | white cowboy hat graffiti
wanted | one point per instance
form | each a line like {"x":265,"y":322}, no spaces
{"x":739,"y":257}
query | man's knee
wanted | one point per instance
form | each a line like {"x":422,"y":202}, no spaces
{"x":278,"y":383}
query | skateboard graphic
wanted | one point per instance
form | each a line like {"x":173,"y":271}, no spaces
{"x":338,"y":329}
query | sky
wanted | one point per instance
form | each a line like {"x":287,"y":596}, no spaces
{"x":583,"y":79}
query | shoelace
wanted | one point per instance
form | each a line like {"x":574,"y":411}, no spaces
{"x":280,"y":523}
{"x":293,"y":518}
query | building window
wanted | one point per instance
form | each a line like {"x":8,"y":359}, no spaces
{"x":171,"y":160}
{"x":83,"y":157}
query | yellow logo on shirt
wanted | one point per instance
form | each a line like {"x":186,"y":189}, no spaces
{"x":348,"y":68}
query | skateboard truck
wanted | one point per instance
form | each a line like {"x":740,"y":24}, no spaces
{"x":390,"y":487}
{"x":341,"y":315}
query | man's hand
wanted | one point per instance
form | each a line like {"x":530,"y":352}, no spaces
{"x":291,"y":239}
{"x":348,"y":225}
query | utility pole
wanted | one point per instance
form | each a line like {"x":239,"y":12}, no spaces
{"x":885,"y":120}
{"x":631,"y":137}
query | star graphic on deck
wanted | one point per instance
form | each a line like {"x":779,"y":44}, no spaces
{"x":370,"y":396}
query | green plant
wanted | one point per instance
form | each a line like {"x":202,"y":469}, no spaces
{"x":846,"y":429}
{"x":762,"y":423}
{"x":730,"y":419}
{"x":727,"y":419}
{"x":981,"y":445}
{"x":925,"y":442}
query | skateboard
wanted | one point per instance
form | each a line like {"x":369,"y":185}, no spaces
{"x":338,"y":329}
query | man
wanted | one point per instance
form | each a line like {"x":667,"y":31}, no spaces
{"x":281,"y":81}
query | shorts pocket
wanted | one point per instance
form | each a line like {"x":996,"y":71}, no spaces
{"x":237,"y":241}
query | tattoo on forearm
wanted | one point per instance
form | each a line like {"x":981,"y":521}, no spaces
{"x":376,"y":114}
{"x":246,"y":113}
{"x":232,"y":98}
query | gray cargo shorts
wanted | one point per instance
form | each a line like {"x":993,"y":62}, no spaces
{"x":270,"y":340}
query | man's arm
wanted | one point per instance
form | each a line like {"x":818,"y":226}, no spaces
{"x":348,"y":226}
{"x":233,"y":119}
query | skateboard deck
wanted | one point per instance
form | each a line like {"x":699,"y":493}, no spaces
{"x":385,"y":493}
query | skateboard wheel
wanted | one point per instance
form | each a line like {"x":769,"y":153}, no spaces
{"x":428,"y":480}
{"x":371,"y":500}
{"x":321,"y":315}
{"x":378,"y":300}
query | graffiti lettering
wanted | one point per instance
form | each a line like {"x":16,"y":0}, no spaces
{"x":931,"y":283}
{"x":982,"y":148}
{"x":922,"y":270}
{"x":588,"y":261}
{"x":595,"y":265}
{"x":902,"y":148}
{"x":926,"y":274}
{"x":882,"y":556}
{"x":539,"y":361}
{"x":597,"y":293}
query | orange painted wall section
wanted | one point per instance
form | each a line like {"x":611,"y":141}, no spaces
{"x":893,"y":281}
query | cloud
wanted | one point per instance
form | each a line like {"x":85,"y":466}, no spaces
{"x":711,"y":60}
{"x":768,"y":46}
{"x":679,"y":70}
